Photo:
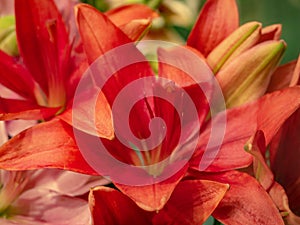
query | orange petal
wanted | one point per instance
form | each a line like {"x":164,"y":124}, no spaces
{"x":192,"y":201}
{"x":153,"y":197}
{"x":46,"y":145}
{"x":109,"y":206}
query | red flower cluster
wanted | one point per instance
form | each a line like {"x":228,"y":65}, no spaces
{"x":181,"y":170}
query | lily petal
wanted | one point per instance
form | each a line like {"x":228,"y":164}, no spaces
{"x":46,"y":205}
{"x":125,"y":14}
{"x":265,"y":177}
{"x":280,"y":198}
{"x":43,"y":42}
{"x":216,"y":21}
{"x":16,"y":77}
{"x":109,"y":206}
{"x":284,"y":76}
{"x":33,"y":149}
{"x":134,"y":20}
{"x":192,"y":201}
{"x":296,"y":75}
{"x":272,"y":32}
{"x":230,"y":155}
{"x":136,"y":29}
{"x":284,"y":153}
{"x":82,"y":116}
{"x":14,"y":127}
{"x":283,"y":103}
{"x":246,"y":202}
{"x":153,"y":197}
{"x":64,"y":182}
{"x":96,"y":42}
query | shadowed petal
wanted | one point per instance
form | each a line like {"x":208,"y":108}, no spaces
{"x":284,"y":75}
{"x":272,"y":32}
{"x":284,"y":157}
{"x":192,"y":202}
{"x":109,"y":206}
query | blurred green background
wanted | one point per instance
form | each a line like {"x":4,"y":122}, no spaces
{"x":286,"y":12}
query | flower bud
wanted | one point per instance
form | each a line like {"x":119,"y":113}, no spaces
{"x":247,"y":77}
{"x":240,"y":40}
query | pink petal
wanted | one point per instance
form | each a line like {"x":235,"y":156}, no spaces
{"x":52,"y":207}
{"x":3,"y":133}
{"x":65,"y":182}
{"x":14,"y":127}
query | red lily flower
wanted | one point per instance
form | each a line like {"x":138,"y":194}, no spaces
{"x":46,"y":74}
{"x":69,"y":155}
